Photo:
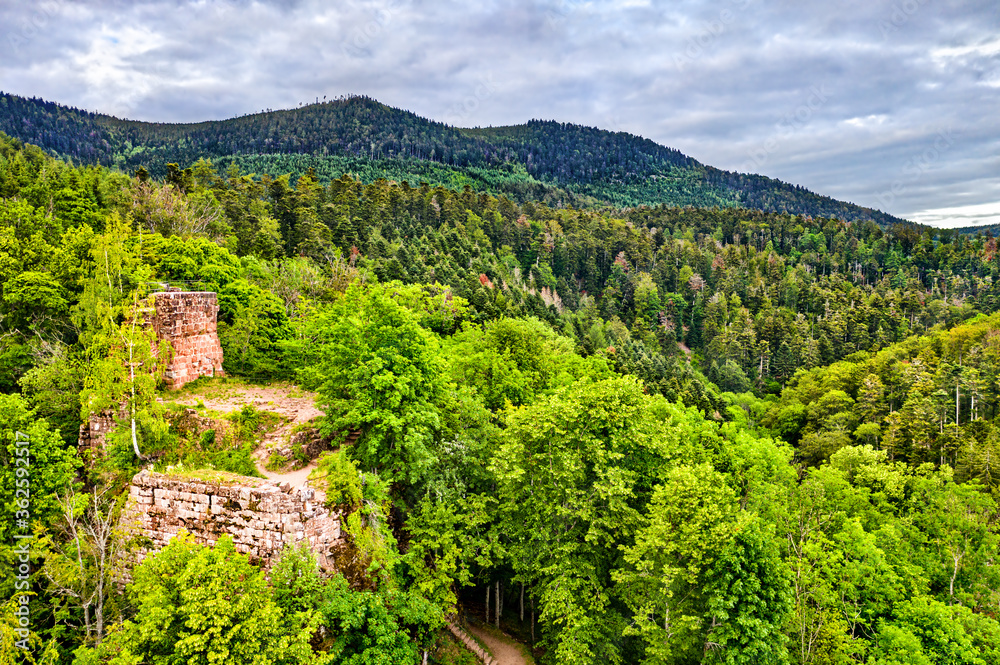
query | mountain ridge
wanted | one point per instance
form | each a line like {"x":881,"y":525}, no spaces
{"x":572,"y":164}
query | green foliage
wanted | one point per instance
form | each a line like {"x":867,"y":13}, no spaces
{"x":749,"y":600}
{"x":365,"y":626}
{"x":524,"y":394}
{"x":594,"y":450}
{"x":33,"y":473}
{"x":19,"y":644}
{"x":297,"y":581}
{"x":443,"y":547}
{"x":203,"y":605}
{"x":928,"y":399}
{"x":668,"y":585}
{"x":53,"y":387}
{"x":253,"y":327}
{"x":512,"y":361}
{"x":370,"y":532}
{"x":246,"y":423}
{"x":34,"y":295}
{"x":535,"y":161}
{"x":340,"y":480}
{"x":380,"y":376}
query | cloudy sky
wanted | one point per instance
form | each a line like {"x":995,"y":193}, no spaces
{"x":891,"y":104}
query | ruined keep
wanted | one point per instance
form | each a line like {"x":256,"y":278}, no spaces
{"x":261,"y":516}
{"x":188,"y":319}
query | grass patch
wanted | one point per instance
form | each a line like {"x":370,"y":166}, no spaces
{"x":276,"y":463}
{"x":214,"y":442}
{"x":213,"y":387}
{"x":214,"y":476}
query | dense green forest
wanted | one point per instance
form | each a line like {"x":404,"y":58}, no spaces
{"x":650,"y":435}
{"x":537,"y":161}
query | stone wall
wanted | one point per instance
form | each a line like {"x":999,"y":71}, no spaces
{"x":187,"y":319}
{"x":262,"y":516}
{"x":94,"y":431}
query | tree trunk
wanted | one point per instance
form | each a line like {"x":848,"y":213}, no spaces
{"x":99,"y":613}
{"x":498,"y":604}
{"x":522,"y":602}
{"x":532,"y":622}
{"x":135,"y":440}
{"x":954,"y":574}
{"x":487,"y":602}
{"x":131,"y":372}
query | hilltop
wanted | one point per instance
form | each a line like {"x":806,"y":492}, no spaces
{"x":559,"y":163}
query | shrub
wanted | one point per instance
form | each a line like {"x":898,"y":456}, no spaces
{"x":341,"y":480}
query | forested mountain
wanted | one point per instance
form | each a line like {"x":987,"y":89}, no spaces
{"x":991,"y":229}
{"x":556,"y":162}
{"x":670,"y":435}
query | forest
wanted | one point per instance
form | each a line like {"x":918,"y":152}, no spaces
{"x":538,"y":161}
{"x":643,"y":434}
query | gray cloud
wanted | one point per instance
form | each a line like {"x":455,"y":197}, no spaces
{"x":847,"y":98}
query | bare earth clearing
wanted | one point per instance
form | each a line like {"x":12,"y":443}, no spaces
{"x":294,"y":405}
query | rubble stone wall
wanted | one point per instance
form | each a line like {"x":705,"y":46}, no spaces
{"x":188,"y":319}
{"x":261,"y":516}
{"x":95,"y":430}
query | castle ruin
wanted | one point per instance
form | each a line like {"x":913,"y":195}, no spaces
{"x":261,"y":516}
{"x":188,"y":320}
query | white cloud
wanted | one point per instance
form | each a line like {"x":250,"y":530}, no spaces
{"x":982,"y":50}
{"x":971,"y":215}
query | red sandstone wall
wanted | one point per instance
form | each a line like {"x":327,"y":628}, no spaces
{"x":188,"y":321}
{"x":94,"y":432}
{"x":261,"y":516}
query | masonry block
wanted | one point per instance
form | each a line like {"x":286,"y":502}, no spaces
{"x":188,"y":320}
{"x":261,"y":533}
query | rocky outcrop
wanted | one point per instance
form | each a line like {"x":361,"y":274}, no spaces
{"x":189,"y":423}
{"x":261,"y":516}
{"x":188,"y":320}
{"x":302,"y":447}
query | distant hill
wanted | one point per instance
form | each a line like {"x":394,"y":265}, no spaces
{"x":540,"y":160}
{"x":986,"y":229}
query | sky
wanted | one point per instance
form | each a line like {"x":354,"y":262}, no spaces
{"x":889,"y":104}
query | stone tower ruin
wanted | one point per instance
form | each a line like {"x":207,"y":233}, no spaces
{"x":188,"y":319}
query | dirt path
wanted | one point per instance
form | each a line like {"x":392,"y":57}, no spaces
{"x":293,"y":404}
{"x":504,"y":649}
